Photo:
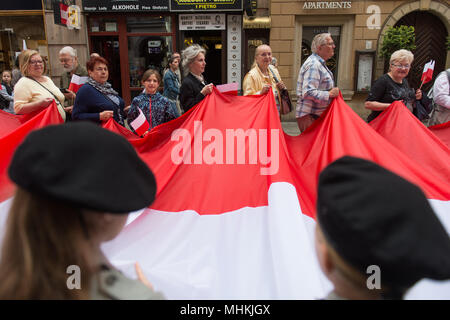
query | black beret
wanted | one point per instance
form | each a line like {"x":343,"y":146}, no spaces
{"x":371,"y":216}
{"x":85,"y":166}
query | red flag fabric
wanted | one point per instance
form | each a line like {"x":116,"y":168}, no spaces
{"x":442,"y":131}
{"x":235,"y":206}
{"x":64,"y":9}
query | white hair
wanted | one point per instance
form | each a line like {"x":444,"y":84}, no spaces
{"x":189,"y":54}
{"x":319,"y":40}
{"x":401,"y":55}
{"x":69,"y":50}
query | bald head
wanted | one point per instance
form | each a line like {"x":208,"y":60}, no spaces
{"x":262,"y":48}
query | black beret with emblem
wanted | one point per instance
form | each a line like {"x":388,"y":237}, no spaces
{"x":371,"y":216}
{"x":83,"y":165}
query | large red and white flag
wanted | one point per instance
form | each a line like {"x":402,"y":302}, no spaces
{"x":140,"y":125}
{"x":427,"y":74}
{"x":234,"y":215}
{"x":77,"y":82}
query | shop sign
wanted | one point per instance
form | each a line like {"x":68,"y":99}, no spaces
{"x":234,"y":40}
{"x":125,"y":5}
{"x":308,"y":5}
{"x":205,"y":5}
{"x":202,"y":21}
{"x":21,"y":5}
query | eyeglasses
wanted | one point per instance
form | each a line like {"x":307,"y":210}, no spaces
{"x":35,"y":62}
{"x":406,"y":66}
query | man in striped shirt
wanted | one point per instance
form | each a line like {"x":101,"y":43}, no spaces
{"x":315,"y":84}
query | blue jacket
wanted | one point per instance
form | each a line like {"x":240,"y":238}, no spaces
{"x":89,"y":102}
{"x":171,"y":85}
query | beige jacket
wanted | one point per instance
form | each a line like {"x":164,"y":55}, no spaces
{"x":254,"y":81}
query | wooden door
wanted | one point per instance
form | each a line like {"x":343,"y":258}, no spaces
{"x":430,"y":44}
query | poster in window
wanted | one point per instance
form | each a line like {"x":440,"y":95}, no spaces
{"x":365,"y":71}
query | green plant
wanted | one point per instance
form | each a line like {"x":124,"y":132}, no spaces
{"x":447,"y":43}
{"x":396,"y":38}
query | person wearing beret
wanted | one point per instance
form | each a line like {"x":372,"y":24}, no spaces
{"x":370,"y":217}
{"x":70,"y":198}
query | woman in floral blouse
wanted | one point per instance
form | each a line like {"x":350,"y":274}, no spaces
{"x":156,"y":108}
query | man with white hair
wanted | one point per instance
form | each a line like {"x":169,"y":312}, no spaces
{"x":69,"y":61}
{"x":315,"y":84}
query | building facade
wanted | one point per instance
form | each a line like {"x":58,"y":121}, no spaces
{"x":357,"y":28}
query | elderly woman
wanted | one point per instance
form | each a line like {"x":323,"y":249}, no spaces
{"x":156,"y":108}
{"x":96,"y":100}
{"x":393,"y":86}
{"x":263,"y":76}
{"x":34,"y":91}
{"x":76,"y":184}
{"x":193,"y":88}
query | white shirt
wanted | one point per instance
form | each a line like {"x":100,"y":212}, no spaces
{"x":441,"y":94}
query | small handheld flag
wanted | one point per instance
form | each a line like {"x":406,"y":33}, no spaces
{"x":77,"y":82}
{"x":140,"y":125}
{"x":427,"y":74}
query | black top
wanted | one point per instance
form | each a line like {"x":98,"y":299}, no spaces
{"x":190,"y":92}
{"x":386,"y":90}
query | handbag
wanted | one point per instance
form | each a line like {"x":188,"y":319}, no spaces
{"x":285,"y":103}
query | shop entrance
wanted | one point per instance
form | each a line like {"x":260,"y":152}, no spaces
{"x":108,"y":48}
{"x":213,"y":42}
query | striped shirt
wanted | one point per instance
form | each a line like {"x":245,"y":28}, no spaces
{"x":314,"y":82}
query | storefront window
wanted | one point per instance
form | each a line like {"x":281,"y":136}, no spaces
{"x":147,"y":52}
{"x":14,"y":30}
{"x":308,"y":35}
{"x":101,"y":24}
{"x":152,"y":24}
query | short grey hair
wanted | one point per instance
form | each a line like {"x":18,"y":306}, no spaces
{"x":401,"y":55}
{"x":319,"y":40}
{"x":69,"y":50}
{"x":189,"y":54}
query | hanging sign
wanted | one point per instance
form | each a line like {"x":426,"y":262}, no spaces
{"x":202,"y":21}
{"x":125,"y":5}
{"x":205,"y":5}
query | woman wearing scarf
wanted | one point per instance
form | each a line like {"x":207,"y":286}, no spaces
{"x":96,"y":100}
{"x":156,"y":108}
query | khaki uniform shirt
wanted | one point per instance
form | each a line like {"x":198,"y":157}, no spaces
{"x":111,"y":284}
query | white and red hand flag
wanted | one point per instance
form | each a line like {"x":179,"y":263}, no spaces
{"x":77,"y":82}
{"x":140,"y":125}
{"x":427,"y":74}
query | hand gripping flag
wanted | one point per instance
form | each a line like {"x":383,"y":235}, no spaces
{"x":77,"y":82}
{"x":427,"y":74}
{"x":140,"y":125}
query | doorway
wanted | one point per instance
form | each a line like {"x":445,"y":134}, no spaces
{"x":430,"y":34}
{"x":213,"y":42}
{"x":108,"y":48}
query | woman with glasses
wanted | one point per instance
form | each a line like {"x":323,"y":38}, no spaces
{"x":393,"y":86}
{"x":34,"y":91}
{"x":96,"y":100}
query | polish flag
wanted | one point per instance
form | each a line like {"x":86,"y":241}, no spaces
{"x":77,"y":82}
{"x":140,"y":125}
{"x":229,"y":88}
{"x":427,"y":74}
{"x":234,"y":215}
{"x":64,"y":9}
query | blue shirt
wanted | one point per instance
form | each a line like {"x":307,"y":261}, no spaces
{"x":314,"y":82}
{"x":171,"y":85}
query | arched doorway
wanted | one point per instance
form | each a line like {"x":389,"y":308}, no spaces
{"x":430,"y":44}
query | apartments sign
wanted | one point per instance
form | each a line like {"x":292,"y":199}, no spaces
{"x":327,"y":5}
